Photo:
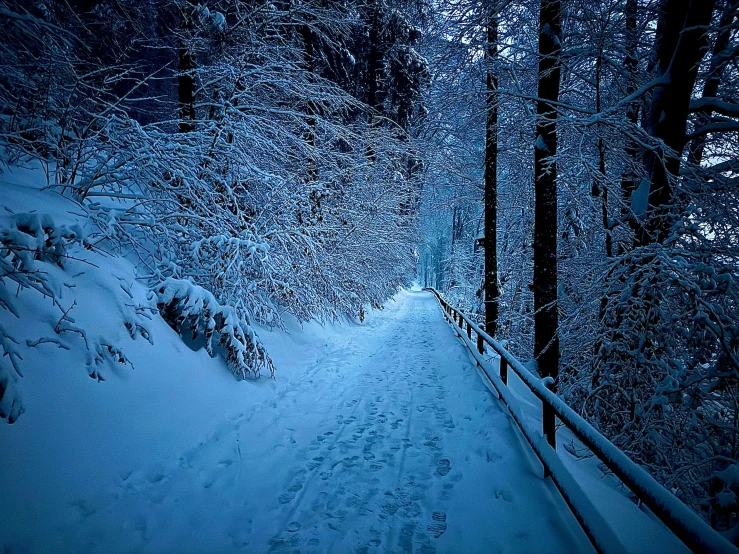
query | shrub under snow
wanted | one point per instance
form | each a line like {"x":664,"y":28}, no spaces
{"x":182,"y":303}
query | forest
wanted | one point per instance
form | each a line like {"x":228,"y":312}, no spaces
{"x":564,"y":171}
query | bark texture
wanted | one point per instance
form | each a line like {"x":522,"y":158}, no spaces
{"x":546,"y":341}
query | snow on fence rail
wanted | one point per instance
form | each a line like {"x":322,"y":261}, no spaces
{"x":681,"y":520}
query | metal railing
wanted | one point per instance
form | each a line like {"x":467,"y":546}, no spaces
{"x":695,"y":533}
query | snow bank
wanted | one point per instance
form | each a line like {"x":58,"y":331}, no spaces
{"x":82,"y":442}
{"x":61,"y":295}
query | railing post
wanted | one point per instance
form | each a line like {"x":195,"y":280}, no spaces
{"x":504,"y":370}
{"x":480,"y":342}
{"x":548,"y":420}
{"x":550,"y":430}
{"x":548,"y":424}
{"x":469,"y":332}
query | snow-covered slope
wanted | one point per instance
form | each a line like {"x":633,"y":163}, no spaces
{"x":151,"y":396}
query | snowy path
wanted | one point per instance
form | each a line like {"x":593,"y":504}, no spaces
{"x":386,"y":440}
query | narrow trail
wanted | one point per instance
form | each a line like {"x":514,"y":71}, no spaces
{"x":388,"y":441}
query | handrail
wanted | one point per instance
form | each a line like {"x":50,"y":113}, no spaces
{"x":695,"y":533}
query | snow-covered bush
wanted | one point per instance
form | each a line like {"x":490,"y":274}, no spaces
{"x":11,"y":403}
{"x":36,"y":254}
{"x":189,"y":307}
{"x":30,"y":237}
{"x":664,"y":379}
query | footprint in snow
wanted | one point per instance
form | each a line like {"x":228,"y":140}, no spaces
{"x":315,"y":462}
{"x":405,"y":540}
{"x":438,"y":526}
{"x":504,"y":495}
{"x":293,"y":526}
{"x":351,"y":461}
{"x":431,"y":444}
{"x":290,"y":494}
{"x":443,"y":467}
{"x":278,"y":544}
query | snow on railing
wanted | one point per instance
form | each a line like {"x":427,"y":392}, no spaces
{"x":695,"y":533}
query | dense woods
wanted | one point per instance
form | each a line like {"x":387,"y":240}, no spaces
{"x":567,"y":171}
{"x":261,"y":151}
{"x":606,"y":183}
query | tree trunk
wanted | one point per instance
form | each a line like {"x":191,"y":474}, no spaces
{"x":631,"y":63}
{"x":546,"y":340}
{"x":680,"y":45}
{"x":491,"y":178}
{"x":374,"y":71}
{"x":718,"y":61}
{"x":600,"y":188}
{"x":185,"y":81}
{"x":374,"y":59}
{"x":310,"y":108}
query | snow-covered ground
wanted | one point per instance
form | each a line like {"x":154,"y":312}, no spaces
{"x":374,"y":437}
